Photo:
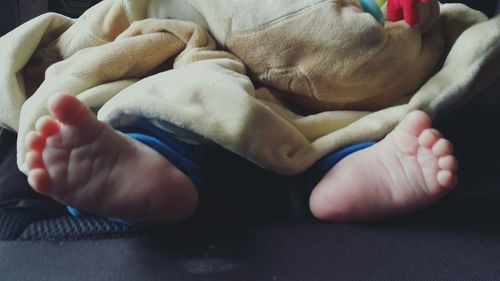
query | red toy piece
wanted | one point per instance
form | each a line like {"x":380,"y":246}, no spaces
{"x":407,"y":9}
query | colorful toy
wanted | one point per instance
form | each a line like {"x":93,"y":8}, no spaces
{"x":381,"y":2}
{"x":373,"y":8}
{"x":407,"y":9}
{"x":396,"y":10}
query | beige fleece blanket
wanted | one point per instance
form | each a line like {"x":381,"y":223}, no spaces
{"x":331,"y":74}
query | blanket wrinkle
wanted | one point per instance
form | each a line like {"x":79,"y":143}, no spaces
{"x":197,"y":71}
{"x":343,"y":64}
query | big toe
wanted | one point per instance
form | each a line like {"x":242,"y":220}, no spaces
{"x":66,"y":108}
{"x":70,"y":111}
{"x":415,"y":122}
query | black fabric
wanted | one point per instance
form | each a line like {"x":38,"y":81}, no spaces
{"x":71,"y":8}
{"x":75,"y":228}
{"x":15,"y":193}
{"x":487,"y":7}
{"x":9,"y":16}
{"x":441,"y":250}
{"x":12,"y":224}
{"x":12,"y":183}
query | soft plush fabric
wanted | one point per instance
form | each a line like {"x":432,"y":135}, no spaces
{"x":331,"y":74}
{"x":405,"y":9}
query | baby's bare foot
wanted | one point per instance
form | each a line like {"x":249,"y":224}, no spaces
{"x":80,"y":161}
{"x":411,"y":168}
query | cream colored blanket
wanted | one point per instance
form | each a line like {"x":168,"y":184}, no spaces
{"x":331,"y":74}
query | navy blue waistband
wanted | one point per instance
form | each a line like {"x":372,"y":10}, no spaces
{"x":182,"y":155}
{"x":323,"y":165}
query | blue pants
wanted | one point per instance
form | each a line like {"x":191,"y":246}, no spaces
{"x":185,"y":158}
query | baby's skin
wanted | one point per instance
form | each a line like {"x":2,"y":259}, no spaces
{"x":82,"y":162}
{"x":411,"y":168}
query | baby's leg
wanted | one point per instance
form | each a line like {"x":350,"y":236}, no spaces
{"x":411,"y":168}
{"x":82,"y":162}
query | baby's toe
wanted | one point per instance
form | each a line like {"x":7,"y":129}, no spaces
{"x":446,"y":178}
{"x":34,"y":160}
{"x":415,"y":122}
{"x":70,"y":112}
{"x":39,"y":180}
{"x":442,"y":148}
{"x":67,"y":108}
{"x":47,"y":126}
{"x":429,"y":137}
{"x":35,"y":141}
{"x":448,"y":162}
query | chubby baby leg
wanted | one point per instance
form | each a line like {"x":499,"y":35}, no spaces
{"x":80,"y":161}
{"x":411,"y":168}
